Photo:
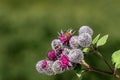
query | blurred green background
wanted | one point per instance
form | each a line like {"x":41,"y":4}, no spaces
{"x":27,"y":28}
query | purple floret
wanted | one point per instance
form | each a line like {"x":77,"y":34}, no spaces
{"x":52,"y":55}
{"x":64,"y":61}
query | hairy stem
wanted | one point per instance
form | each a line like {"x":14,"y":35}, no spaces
{"x":100,"y":71}
{"x":103,"y":58}
{"x":103,"y":72}
{"x":82,"y":62}
{"x":115,"y":70}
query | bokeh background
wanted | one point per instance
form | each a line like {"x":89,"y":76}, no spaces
{"x":27,"y":28}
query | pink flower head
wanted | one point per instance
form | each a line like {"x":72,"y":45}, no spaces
{"x":65,"y":37}
{"x":64,"y":61}
{"x":52,"y":55}
{"x":44,"y":64}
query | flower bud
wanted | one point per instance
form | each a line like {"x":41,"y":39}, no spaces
{"x":84,"y":40}
{"x":45,"y":67}
{"x":85,"y":29}
{"x":64,"y":61}
{"x":74,"y":42}
{"x":52,"y":55}
{"x":48,"y":69}
{"x":56,"y":67}
{"x":39,"y":66}
{"x":65,"y":36}
{"x":75,"y":55}
{"x":56,"y":44}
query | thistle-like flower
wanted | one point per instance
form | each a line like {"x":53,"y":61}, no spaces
{"x":74,"y":42}
{"x":65,"y":36}
{"x":45,"y":67}
{"x":56,"y":67}
{"x":39,"y":66}
{"x":48,"y":69}
{"x":76,"y":55}
{"x":56,"y":44}
{"x":66,"y":52}
{"x":52,"y":55}
{"x":64,"y":61}
{"x":85,"y":39}
{"x":85,"y":29}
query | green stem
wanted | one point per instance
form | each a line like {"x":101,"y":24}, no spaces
{"x":101,"y":56}
{"x":103,"y":72}
{"x":115,"y":70}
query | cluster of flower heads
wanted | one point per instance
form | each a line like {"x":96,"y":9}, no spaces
{"x":66,"y":51}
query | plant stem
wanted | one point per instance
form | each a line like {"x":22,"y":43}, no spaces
{"x":100,"y":71}
{"x":82,"y":62}
{"x":103,"y":72}
{"x":102,"y":57}
{"x":115,"y":70}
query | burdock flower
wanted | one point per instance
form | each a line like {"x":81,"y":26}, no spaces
{"x":85,"y":39}
{"x":85,"y":29}
{"x":56,"y":67}
{"x":39,"y":67}
{"x":75,"y":55}
{"x":64,"y":61}
{"x":66,"y":52}
{"x":56,"y":44}
{"x":62,"y":64}
{"x":65,"y":36}
{"x":52,"y":55}
{"x":74,"y":42}
{"x":45,"y":67}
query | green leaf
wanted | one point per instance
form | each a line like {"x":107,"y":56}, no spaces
{"x":102,"y":40}
{"x":95,"y":39}
{"x":116,"y":58}
{"x":85,"y":50}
